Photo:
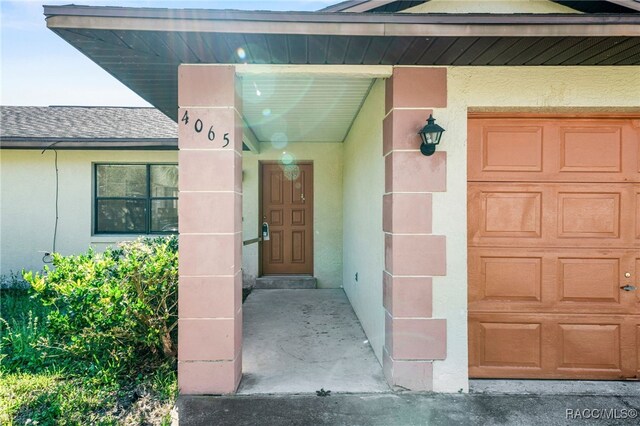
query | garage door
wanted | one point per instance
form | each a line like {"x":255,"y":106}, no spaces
{"x":554,"y":247}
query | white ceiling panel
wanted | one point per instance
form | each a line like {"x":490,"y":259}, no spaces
{"x":302,"y":108}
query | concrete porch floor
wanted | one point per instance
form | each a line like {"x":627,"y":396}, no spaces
{"x":299,"y":341}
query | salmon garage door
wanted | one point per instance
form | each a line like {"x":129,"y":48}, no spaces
{"x":554,"y":247}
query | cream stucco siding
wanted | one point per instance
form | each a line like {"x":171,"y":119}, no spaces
{"x":28,"y":204}
{"x":504,"y":88}
{"x":327,"y":223}
{"x":363,"y":240}
{"x":27,"y":200}
{"x":490,"y":6}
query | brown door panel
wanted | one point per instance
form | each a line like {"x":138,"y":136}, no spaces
{"x":545,"y":149}
{"x":553,"y":215}
{"x":636,"y":214}
{"x":287,"y":206}
{"x":553,"y":346}
{"x":552,"y":281}
{"x":554,"y":247}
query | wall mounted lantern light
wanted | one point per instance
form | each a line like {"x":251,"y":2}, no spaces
{"x":430,"y":136}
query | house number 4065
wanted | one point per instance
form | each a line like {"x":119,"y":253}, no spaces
{"x":198,"y":126}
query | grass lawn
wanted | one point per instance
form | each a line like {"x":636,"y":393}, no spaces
{"x":56,"y":393}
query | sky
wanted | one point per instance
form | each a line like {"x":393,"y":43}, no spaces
{"x":39,"y":68}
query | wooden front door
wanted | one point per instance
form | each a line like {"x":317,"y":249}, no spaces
{"x":287,"y":207}
{"x":554,"y":247}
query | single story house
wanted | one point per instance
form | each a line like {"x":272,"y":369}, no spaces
{"x":512,"y":251}
{"x":64,"y":174}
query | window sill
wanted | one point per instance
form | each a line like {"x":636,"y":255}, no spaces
{"x":114,"y":238}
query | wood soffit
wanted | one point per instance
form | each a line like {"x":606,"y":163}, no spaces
{"x":143,"y":47}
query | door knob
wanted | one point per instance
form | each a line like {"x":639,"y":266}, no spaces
{"x":628,"y":287}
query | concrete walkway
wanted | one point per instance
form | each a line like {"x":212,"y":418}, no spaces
{"x":299,"y":341}
{"x":408,"y":409}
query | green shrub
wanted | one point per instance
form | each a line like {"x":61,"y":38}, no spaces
{"x":114,"y":311}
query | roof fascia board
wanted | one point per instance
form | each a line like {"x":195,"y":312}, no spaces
{"x":298,"y":16}
{"x":213,"y":26}
{"x":364,"y":25}
{"x":342,"y":6}
{"x":9,"y":142}
{"x":367,"y":6}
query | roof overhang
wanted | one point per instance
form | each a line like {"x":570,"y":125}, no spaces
{"x":357,"y":5}
{"x":143,"y":47}
{"x":44,"y":143}
{"x":380,"y":5}
{"x":631,"y":4}
{"x":346,"y":24}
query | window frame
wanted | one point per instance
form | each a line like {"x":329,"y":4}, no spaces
{"x":148,"y":199}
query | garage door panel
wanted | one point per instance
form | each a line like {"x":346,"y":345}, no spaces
{"x":511,"y":278}
{"x":637,"y":351}
{"x":631,"y":139}
{"x":507,"y":214}
{"x":553,"y":238}
{"x":595,"y":215}
{"x":597,"y":346}
{"x":510,"y":345}
{"x":637,"y":215}
{"x":553,"y":215}
{"x":511,"y":214}
{"x":634,"y":280}
{"x":511,"y":148}
{"x":589,"y":215}
{"x":591,"y":149}
{"x":554,"y":346}
{"x":589,"y":280}
{"x":547,"y":149}
{"x":578,"y":350}
{"x":544,"y":281}
{"x":498,"y":278}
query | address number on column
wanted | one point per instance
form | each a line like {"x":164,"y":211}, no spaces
{"x":199,"y":126}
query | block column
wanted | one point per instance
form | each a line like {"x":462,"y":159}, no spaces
{"x":413,"y":255}
{"x":210,"y":225}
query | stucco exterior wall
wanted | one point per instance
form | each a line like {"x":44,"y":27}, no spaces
{"x":490,"y":6}
{"x":505,"y":88}
{"x":27,"y":183}
{"x":327,"y":215}
{"x":27,"y":200}
{"x":363,"y":238}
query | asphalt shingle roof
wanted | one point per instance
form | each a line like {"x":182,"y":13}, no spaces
{"x":85,"y":124}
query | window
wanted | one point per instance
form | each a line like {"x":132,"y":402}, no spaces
{"x":136,"y":198}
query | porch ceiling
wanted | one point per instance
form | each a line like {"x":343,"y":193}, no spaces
{"x":143,"y":47}
{"x":302,"y":108}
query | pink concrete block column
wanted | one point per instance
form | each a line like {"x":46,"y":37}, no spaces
{"x":413,"y":255}
{"x":210,"y":223}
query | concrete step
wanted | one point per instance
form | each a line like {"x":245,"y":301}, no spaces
{"x":286,"y":282}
